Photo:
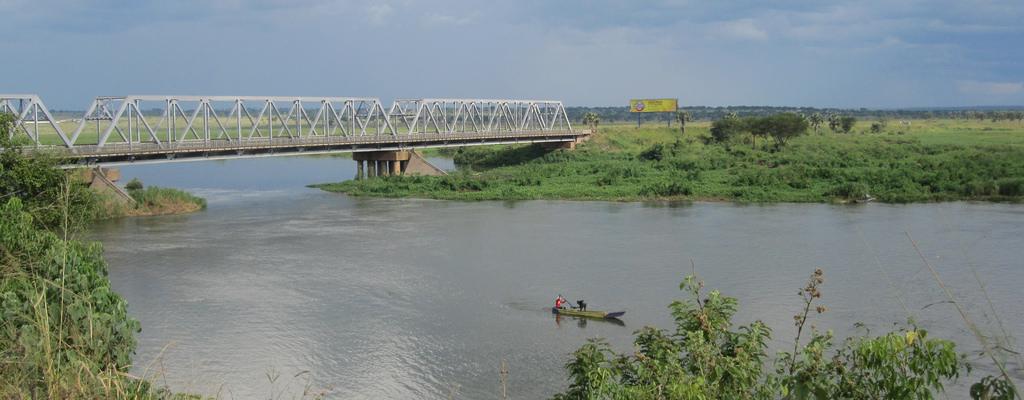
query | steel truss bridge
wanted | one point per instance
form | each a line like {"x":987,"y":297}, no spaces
{"x":128,"y":129}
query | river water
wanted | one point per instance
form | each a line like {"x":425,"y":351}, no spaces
{"x":277,"y":288}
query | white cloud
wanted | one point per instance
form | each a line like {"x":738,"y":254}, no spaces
{"x":743,"y":29}
{"x":990,"y":88}
{"x":379,"y":13}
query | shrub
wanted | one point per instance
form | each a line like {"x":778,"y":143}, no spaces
{"x":981,"y":188}
{"x":666,"y":189}
{"x":656,"y":152}
{"x":850,"y":190}
{"x":1011,"y":186}
{"x":134,"y":184}
{"x":63,"y":330}
{"x":726,"y":128}
{"x":706,"y":357}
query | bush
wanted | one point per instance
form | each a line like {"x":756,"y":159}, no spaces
{"x":656,"y":152}
{"x":1011,"y":186}
{"x":726,"y":128}
{"x":41,"y":185}
{"x":705,"y":357}
{"x":850,"y":190}
{"x":63,"y":329}
{"x":981,"y":188}
{"x":134,"y":184}
{"x":846,"y":123}
{"x":666,"y":189}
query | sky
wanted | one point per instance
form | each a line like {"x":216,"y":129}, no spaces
{"x":821,"y":53}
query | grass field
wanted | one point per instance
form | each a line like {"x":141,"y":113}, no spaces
{"x":929,"y":160}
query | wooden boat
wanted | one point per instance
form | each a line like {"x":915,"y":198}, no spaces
{"x":588,"y":314}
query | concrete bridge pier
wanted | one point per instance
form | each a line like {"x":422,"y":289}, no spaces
{"x":393,"y":163}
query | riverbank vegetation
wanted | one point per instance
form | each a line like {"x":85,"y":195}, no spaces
{"x":155,"y":200}
{"x":744,"y":160}
{"x":64,"y":333}
{"x":706,"y":357}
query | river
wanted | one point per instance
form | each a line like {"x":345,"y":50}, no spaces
{"x":277,"y":287}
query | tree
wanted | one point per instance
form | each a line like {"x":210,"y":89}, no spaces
{"x":41,"y":185}
{"x":683,"y":117}
{"x":833,"y":122}
{"x":591,"y":119}
{"x":785,"y":126}
{"x":816,"y":119}
{"x":724,"y":129}
{"x":758,"y":126}
{"x":846,"y":123}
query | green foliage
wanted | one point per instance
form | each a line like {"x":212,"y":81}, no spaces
{"x":623,"y":163}
{"x":1011,"y":186}
{"x":591,"y":119}
{"x":993,"y":388}
{"x":785,"y":126}
{"x":727,"y":128}
{"x":42,"y":186}
{"x":489,"y":157}
{"x":156,"y":198}
{"x":64,"y":332}
{"x":707,"y":358}
{"x":850,"y":190}
{"x":683,"y":117}
{"x":846,"y":123}
{"x":134,"y":184}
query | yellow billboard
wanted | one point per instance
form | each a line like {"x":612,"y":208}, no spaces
{"x":653,"y":105}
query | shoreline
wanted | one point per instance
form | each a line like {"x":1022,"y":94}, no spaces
{"x":670,"y":201}
{"x":628,"y":164}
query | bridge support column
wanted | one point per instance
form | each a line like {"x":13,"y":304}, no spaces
{"x":395,"y":163}
{"x":359,"y":170}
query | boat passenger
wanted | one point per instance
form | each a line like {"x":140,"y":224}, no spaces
{"x":559,"y":301}
{"x":582,"y":304}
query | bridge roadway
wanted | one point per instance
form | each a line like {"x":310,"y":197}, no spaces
{"x":127,"y":153}
{"x":130,"y":129}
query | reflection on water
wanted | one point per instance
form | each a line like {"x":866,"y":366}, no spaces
{"x":384,"y":298}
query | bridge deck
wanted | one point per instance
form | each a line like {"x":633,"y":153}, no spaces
{"x":123,"y":153}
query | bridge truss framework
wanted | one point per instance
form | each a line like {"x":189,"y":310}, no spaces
{"x":135,"y":128}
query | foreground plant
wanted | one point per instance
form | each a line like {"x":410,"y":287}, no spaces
{"x":706,"y":358}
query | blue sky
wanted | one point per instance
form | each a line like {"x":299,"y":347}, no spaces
{"x":802,"y":53}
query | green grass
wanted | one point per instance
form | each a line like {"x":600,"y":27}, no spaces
{"x":154,"y":200}
{"x":940,"y":160}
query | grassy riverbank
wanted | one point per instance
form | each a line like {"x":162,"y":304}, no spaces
{"x":154,"y":200}
{"x":936,"y":160}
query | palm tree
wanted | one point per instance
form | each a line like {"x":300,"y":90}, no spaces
{"x":816,"y":119}
{"x":683,"y":117}
{"x":591,"y":119}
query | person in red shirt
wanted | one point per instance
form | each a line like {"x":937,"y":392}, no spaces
{"x":559,"y":301}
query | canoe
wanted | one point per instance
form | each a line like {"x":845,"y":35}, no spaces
{"x":587,"y":314}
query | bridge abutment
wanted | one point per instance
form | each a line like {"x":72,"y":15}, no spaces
{"x":102,"y":180}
